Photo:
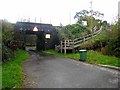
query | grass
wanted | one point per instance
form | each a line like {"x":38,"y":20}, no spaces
{"x":12,"y":73}
{"x":98,"y":58}
{"x":0,"y":76}
{"x":93,"y":57}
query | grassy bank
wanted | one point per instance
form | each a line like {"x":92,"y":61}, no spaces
{"x":0,"y":76}
{"x":93,"y":57}
{"x":12,"y":73}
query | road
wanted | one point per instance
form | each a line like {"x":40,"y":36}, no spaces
{"x":48,"y":71}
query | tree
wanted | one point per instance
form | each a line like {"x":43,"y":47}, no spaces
{"x":97,"y":13}
{"x":65,"y":33}
{"x":7,"y":32}
{"x":0,"y":31}
{"x":113,"y":45}
{"x":7,"y":40}
{"x":89,"y":16}
{"x":81,"y":14}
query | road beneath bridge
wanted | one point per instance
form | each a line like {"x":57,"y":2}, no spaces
{"x":48,"y":71}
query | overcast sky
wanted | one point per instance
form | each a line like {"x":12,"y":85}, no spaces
{"x":54,"y":11}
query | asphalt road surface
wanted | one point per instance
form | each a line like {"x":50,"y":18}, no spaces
{"x":48,"y":71}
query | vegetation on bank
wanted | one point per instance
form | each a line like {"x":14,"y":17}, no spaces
{"x":79,"y":29}
{"x":93,"y":57}
{"x":0,"y":76}
{"x":12,"y":57}
{"x":108,"y":42}
{"x":12,"y":73}
{"x":8,"y":45}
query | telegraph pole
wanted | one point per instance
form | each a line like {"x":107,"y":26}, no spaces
{"x":91,"y":9}
{"x":70,"y":18}
{"x":35,"y":19}
{"x":119,"y":10}
{"x":119,"y":16}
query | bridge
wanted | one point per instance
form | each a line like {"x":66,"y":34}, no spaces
{"x":75,"y":43}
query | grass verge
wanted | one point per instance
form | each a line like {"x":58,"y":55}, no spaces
{"x":0,"y":76}
{"x":12,"y":73}
{"x":93,"y":57}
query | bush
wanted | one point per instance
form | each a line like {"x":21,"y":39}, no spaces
{"x":87,"y":45}
{"x":7,"y":53}
{"x":113,"y":45}
{"x":8,"y":42}
{"x":108,"y":42}
{"x":7,"y":32}
{"x":104,"y":50}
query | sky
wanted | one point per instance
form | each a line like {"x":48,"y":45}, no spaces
{"x":54,"y":11}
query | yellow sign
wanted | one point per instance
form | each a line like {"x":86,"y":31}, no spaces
{"x":47,"y":36}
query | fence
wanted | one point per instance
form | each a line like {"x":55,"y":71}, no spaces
{"x":73,"y":44}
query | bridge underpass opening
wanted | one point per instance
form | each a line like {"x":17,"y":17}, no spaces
{"x":35,"y":40}
{"x":30,"y":42}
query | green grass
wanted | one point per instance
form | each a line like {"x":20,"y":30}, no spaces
{"x":93,"y":57}
{"x":0,"y":76}
{"x":98,"y":58}
{"x":12,"y":73}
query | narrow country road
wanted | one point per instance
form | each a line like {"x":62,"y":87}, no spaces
{"x":47,"y":71}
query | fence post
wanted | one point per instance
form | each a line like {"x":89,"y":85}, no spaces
{"x":68,"y":43}
{"x":61,"y":46}
{"x":83,"y":39}
{"x":65,"y":47}
{"x":73,"y":50}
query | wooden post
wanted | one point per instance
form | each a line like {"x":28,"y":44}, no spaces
{"x":68,"y":43}
{"x":73,"y":44}
{"x":61,"y":46}
{"x":65,"y":47}
{"x":73,"y":50}
{"x":84,"y":39}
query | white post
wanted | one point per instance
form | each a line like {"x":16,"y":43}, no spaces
{"x":65,"y":47}
{"x":61,"y":46}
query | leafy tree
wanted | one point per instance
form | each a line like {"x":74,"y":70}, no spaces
{"x":7,"y":40}
{"x":89,"y":16}
{"x":78,"y":29}
{"x":0,"y":31}
{"x":64,"y":33}
{"x":113,"y":46}
{"x":81,"y":14}
{"x":7,"y":32}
